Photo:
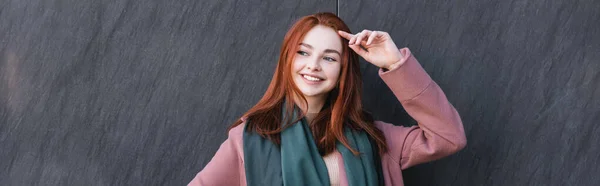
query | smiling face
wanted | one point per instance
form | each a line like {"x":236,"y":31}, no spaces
{"x":317,"y":64}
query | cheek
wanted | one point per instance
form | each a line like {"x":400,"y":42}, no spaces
{"x":297,"y":65}
{"x":334,"y":72}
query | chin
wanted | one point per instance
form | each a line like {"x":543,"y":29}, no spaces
{"x":313,"y":93}
{"x":310,"y":93}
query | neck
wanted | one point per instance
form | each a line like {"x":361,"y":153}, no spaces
{"x":315,"y":103}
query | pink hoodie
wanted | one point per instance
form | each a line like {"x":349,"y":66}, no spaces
{"x":439,"y":132}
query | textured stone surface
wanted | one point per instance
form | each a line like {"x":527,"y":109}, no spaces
{"x":524,"y":75}
{"x":130,"y":93}
{"x":140,"y":93}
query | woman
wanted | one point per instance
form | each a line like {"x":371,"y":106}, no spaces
{"x":310,"y":127}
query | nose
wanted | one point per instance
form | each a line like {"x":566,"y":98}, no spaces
{"x":313,"y":65}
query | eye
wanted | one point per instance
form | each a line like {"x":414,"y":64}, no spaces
{"x":302,"y":53}
{"x":330,"y":59}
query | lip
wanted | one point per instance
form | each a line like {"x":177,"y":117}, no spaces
{"x":302,"y":74}
{"x":311,"y":82}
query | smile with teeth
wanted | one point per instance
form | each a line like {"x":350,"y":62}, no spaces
{"x":311,"y":78}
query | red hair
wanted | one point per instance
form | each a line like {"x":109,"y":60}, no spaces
{"x":343,"y":105}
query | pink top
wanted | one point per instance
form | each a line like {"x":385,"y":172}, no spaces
{"x":439,"y":132}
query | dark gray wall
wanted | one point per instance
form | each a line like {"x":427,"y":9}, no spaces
{"x":140,"y":93}
{"x":130,"y":92}
{"x":524,"y":75}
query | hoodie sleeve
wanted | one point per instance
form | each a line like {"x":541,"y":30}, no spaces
{"x":440,"y":130}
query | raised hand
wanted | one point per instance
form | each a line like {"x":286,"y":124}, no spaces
{"x":380,"y":48}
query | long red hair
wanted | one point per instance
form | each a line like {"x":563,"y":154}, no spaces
{"x":343,"y":105}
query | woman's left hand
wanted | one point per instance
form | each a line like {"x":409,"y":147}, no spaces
{"x":380,"y":48}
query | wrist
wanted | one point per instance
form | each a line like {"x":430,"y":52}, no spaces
{"x":396,"y":64}
{"x":393,"y":65}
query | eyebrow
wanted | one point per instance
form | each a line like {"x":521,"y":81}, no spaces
{"x":326,"y":50}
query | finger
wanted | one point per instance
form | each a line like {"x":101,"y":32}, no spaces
{"x":372,"y":37}
{"x":358,"y":50}
{"x":353,"y":39}
{"x":357,"y":37}
{"x":361,"y":36}
{"x":345,"y":35}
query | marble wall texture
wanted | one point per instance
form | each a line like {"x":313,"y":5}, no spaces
{"x":128,"y":92}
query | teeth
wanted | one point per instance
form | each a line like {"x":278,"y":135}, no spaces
{"x":311,"y":78}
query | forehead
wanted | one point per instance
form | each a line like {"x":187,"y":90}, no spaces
{"x":322,"y":38}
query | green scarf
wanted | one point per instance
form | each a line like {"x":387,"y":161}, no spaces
{"x":298,"y":162}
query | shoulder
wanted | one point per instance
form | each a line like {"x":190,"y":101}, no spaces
{"x":236,"y":136}
{"x":237,"y":131}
